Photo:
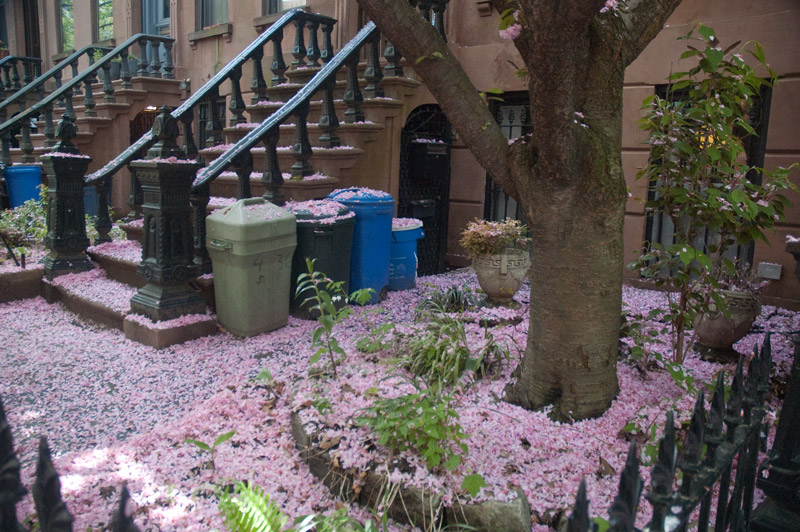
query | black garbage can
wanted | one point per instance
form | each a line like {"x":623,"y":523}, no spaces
{"x":324,"y":233}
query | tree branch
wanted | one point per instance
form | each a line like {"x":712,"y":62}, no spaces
{"x":643,"y":22}
{"x":431,"y":58}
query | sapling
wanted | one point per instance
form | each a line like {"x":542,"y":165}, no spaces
{"x":329,"y":301}
{"x":211,"y":449}
{"x":701,"y":183}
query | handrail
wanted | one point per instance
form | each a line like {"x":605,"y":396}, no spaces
{"x":327,"y":72}
{"x":146,"y":140}
{"x":81,"y":78}
{"x":36,"y":61}
{"x":36,"y":83}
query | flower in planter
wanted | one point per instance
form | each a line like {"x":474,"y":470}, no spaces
{"x":484,"y":237}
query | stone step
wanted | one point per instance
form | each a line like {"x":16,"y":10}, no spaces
{"x":98,"y":296}
{"x":395,"y":88}
{"x":327,"y":161}
{"x":318,"y":187}
{"x":356,"y":134}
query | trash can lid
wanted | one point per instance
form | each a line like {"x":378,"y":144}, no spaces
{"x":250,"y":219}
{"x":360,"y":195}
{"x":319,"y":211}
{"x":406,"y":224}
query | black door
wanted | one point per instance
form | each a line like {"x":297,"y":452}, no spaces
{"x":30,"y":18}
{"x":425,"y":183}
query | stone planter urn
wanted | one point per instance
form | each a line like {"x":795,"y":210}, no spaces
{"x":718,"y":333}
{"x":501,"y":275}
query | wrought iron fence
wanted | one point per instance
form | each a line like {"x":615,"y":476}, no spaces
{"x":717,"y":468}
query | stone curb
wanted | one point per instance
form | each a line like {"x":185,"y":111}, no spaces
{"x":406,"y":504}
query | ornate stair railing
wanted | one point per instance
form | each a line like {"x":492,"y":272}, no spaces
{"x":21,"y":95}
{"x":70,"y":88}
{"x":209,"y":92}
{"x":268,"y":131}
{"x":10,"y":80}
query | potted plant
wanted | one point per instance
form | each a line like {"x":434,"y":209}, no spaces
{"x":500,"y":256}
{"x":719,"y":327}
{"x":700,"y":181}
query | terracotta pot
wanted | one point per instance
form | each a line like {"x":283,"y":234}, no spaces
{"x":718,"y":332}
{"x":500,"y":276}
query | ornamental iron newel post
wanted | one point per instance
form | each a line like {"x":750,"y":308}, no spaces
{"x":66,"y":237}
{"x":167,"y":241}
{"x":779,"y":476}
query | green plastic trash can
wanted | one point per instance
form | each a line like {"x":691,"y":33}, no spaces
{"x":251,"y":244}
{"x":324,"y":233}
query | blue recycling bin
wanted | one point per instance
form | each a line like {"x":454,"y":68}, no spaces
{"x":22,"y":182}
{"x":90,"y":199}
{"x":403,"y":256}
{"x":372,"y":235}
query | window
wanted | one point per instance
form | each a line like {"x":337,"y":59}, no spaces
{"x":213,"y":12}
{"x":276,"y":6}
{"x":105,"y":20}
{"x":3,"y":31}
{"x":67,"y":26}
{"x":514,"y":119}
{"x":660,"y":229}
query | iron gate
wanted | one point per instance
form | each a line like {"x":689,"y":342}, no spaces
{"x":425,"y":182}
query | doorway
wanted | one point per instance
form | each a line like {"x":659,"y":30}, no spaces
{"x":425,"y":182}
{"x":30,"y":20}
{"x":155,"y":17}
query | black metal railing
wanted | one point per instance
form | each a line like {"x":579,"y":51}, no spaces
{"x":717,"y":467}
{"x":720,"y":451}
{"x":210,"y":91}
{"x":267,"y":132}
{"x":36,"y":87}
{"x":154,"y":67}
{"x":10,"y":79}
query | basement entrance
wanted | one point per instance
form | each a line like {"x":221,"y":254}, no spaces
{"x":425,"y":182}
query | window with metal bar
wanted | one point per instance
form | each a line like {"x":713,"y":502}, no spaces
{"x":660,"y":229}
{"x":514,"y":119}
{"x":204,"y":116}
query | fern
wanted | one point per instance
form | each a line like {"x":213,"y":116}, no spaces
{"x":249,"y":509}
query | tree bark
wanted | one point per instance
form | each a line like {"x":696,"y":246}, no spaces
{"x":567,"y":177}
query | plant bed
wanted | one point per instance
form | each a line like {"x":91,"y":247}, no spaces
{"x":135,"y":432}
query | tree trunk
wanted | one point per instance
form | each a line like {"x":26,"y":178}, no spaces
{"x":576,"y":278}
{"x":567,"y":176}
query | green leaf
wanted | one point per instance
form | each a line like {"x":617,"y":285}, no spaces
{"x":437,"y":55}
{"x":602,"y":524}
{"x":222,"y":438}
{"x":473,"y":483}
{"x":198,"y":443}
{"x":264,"y":375}
{"x":706,"y":32}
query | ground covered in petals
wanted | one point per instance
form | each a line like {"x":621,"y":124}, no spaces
{"x":115,"y":411}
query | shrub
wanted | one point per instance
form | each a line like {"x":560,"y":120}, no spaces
{"x":482,"y":237}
